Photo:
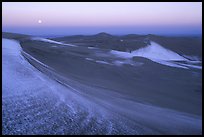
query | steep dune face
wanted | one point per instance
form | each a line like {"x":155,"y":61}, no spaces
{"x":72,"y":90}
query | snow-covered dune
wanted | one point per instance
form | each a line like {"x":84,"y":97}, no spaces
{"x":33,"y":103}
{"x":159,"y":54}
{"x":31,"y":100}
{"x":18,"y":74}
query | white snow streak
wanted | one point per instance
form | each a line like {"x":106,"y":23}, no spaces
{"x":51,"y":41}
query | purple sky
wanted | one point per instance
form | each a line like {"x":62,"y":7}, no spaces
{"x":90,"y":18}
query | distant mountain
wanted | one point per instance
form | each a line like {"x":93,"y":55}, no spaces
{"x":103,"y":34}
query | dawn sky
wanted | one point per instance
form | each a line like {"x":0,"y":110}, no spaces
{"x":59,"y":18}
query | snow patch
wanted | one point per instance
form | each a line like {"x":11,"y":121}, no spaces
{"x":129,"y":62}
{"x":156,"y":53}
{"x":122,"y":54}
{"x":92,"y":48}
{"x":118,"y":63}
{"x":89,"y":59}
{"x":102,"y":62}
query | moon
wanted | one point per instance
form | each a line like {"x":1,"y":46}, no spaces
{"x":39,"y":21}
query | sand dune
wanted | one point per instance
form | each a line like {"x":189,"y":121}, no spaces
{"x":40,"y":100}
